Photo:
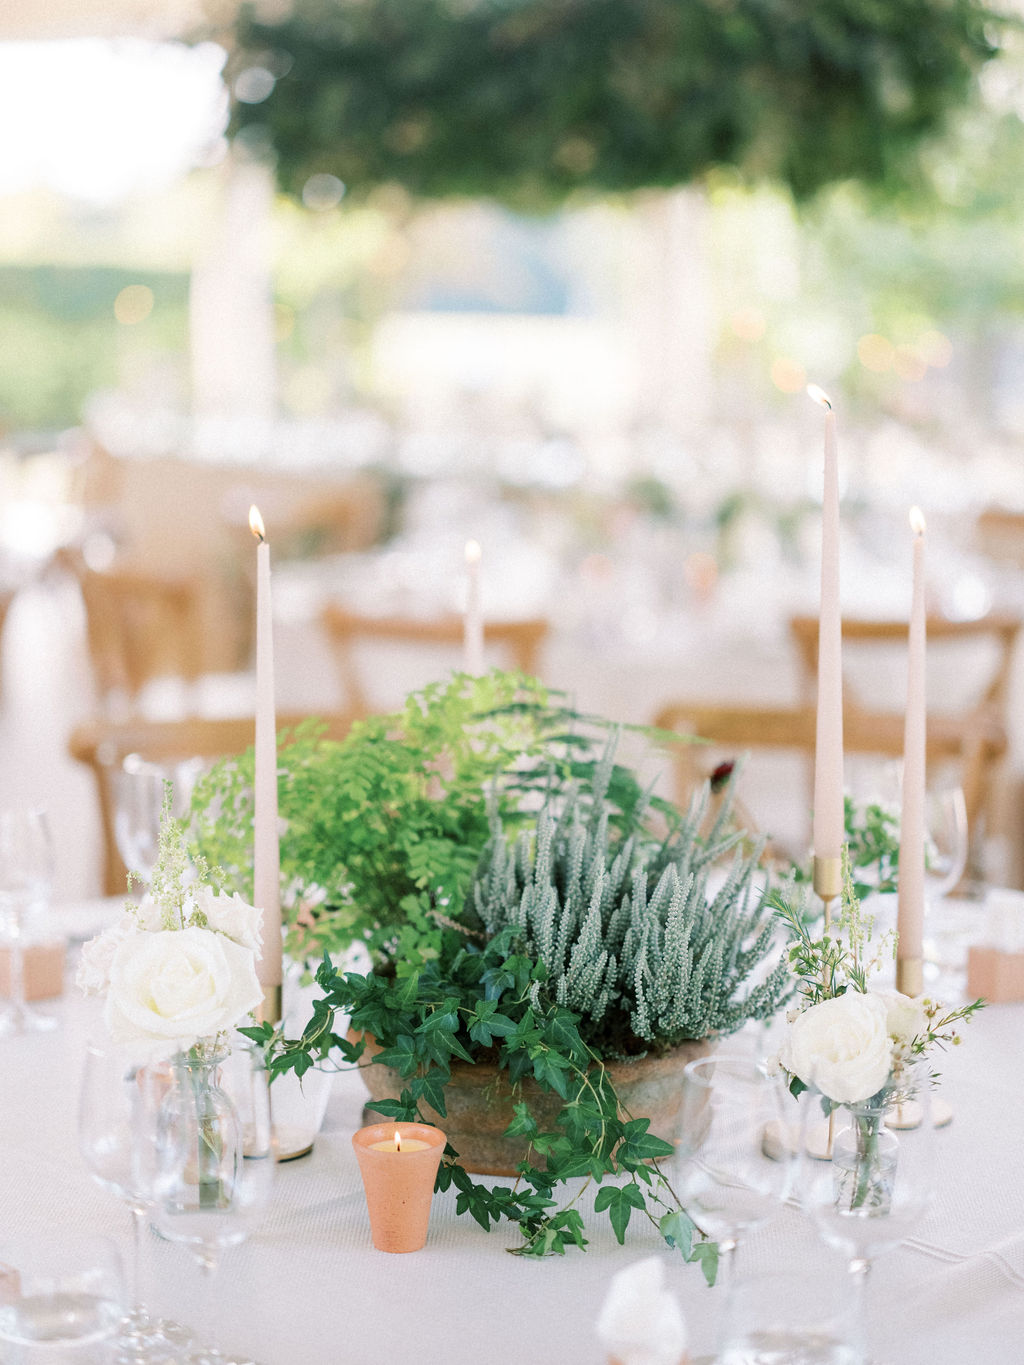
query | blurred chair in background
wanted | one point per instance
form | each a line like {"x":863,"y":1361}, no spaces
{"x":999,"y":534}
{"x":352,"y":637}
{"x":103,"y":745}
{"x":139,"y":626}
{"x":969,"y":736}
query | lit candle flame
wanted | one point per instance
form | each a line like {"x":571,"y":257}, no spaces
{"x":398,"y":1141}
{"x":473,"y":552}
{"x":917,"y":521}
{"x":256,"y":523}
{"x":819,"y":396}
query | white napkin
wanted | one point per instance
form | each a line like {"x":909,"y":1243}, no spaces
{"x":641,"y":1322}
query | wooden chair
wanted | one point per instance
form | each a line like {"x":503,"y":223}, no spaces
{"x":139,"y":626}
{"x":999,"y":534}
{"x":349,"y":631}
{"x":972,"y":732}
{"x":103,"y":746}
{"x":732,"y":731}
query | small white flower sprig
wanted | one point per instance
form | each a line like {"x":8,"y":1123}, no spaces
{"x":852,"y":1040}
{"x":179,"y":968}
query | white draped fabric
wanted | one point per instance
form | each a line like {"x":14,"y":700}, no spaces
{"x":310,"y":1288}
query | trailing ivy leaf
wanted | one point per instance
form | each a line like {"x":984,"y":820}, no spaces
{"x":430,"y":1088}
{"x":620,"y":1201}
{"x":523,"y":1123}
{"x":402,"y":1055}
{"x":706,"y":1254}
{"x":677,"y":1229}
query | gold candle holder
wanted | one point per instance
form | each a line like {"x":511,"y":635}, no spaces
{"x":910,"y":975}
{"x":827,"y":879}
{"x":269,"y":1010}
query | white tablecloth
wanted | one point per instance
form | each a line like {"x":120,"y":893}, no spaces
{"x":310,"y":1288}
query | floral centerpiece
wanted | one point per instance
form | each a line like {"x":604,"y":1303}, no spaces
{"x":534,"y":917}
{"x":862,"y":1048}
{"x":177,"y":969}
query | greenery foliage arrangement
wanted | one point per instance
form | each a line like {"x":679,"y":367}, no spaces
{"x":585,"y":931}
{"x":382,"y":830}
{"x":599,"y":95}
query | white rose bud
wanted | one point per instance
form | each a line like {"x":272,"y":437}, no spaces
{"x":170,"y":988}
{"x":841,"y":1046}
{"x":148,"y":915}
{"x":905,"y":1016}
{"x":231,"y":915}
{"x":93,"y":975}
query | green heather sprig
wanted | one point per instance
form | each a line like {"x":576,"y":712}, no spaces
{"x":632,"y":937}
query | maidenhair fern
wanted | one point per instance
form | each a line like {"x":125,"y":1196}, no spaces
{"x":632,"y":935}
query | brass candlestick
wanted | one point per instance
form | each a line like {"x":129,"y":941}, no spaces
{"x":827,"y":879}
{"x":269,"y":1010}
{"x":909,"y":975}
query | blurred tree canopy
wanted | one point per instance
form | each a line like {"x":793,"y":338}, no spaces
{"x":529,"y":101}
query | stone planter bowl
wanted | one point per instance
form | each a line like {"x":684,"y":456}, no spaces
{"x":480,"y":1099}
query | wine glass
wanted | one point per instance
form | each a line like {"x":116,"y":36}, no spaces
{"x":65,"y":1298}
{"x":215,"y":1163}
{"x":724,"y":1177}
{"x":876,"y":1188}
{"x":946,"y":840}
{"x":139,"y":790}
{"x":26,"y":881}
{"x":116,"y":1118}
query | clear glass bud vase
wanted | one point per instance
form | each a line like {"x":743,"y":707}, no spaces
{"x":206,"y":1131}
{"x":864,"y":1159}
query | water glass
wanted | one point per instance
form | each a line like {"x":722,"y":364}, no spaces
{"x":62,"y":1302}
{"x":26,"y":883}
{"x":723,"y":1177}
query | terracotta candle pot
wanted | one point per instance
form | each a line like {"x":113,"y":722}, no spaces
{"x":399,"y":1184}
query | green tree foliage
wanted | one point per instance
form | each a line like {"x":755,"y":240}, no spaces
{"x":531,"y":100}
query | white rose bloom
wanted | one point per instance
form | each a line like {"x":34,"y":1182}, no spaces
{"x":93,"y":975}
{"x":148,"y":915}
{"x":905,"y":1018}
{"x":230,"y":915}
{"x":170,"y":988}
{"x":841,"y":1046}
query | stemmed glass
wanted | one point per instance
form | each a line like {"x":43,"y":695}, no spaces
{"x":116,"y":1118}
{"x":723,"y":1177}
{"x":874,"y":1191}
{"x":946,"y":836}
{"x":139,"y":788}
{"x":26,"y":880}
{"x":215,"y":1163}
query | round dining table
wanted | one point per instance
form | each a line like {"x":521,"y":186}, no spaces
{"x":308,"y":1287}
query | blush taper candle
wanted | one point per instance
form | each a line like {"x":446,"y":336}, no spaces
{"x":910,"y":899}
{"x":266,"y":847}
{"x":828,"y":818}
